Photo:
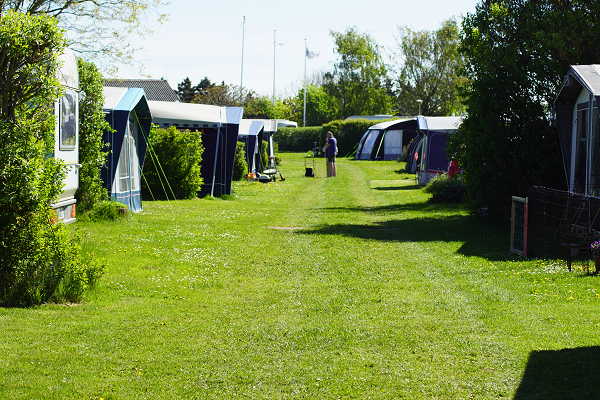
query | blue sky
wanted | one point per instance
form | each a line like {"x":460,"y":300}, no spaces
{"x":202,"y":38}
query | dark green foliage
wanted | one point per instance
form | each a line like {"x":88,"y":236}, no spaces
{"x":320,"y":106}
{"x":517,"y":53}
{"x":187,"y":92}
{"x":298,"y":139}
{"x":92,"y":126}
{"x":264,"y":154}
{"x":358,"y":78}
{"x":431,"y":71}
{"x":178,"y":154}
{"x":240,"y":165}
{"x":446,"y":190}
{"x":347,"y":133}
{"x":106,"y":211}
{"x":39,"y":262}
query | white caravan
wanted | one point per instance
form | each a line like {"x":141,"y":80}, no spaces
{"x":66,"y":138}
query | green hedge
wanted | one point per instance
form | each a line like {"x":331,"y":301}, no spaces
{"x":298,"y":139}
{"x":178,"y":154}
{"x":347,"y":133}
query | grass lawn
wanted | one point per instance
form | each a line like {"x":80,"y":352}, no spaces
{"x":353,"y":287}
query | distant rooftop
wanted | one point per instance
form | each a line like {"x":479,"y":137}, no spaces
{"x":156,"y":89}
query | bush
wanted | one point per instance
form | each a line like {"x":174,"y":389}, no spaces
{"x":298,"y":139}
{"x":240,"y":165}
{"x":92,"y":126}
{"x":446,"y":190}
{"x":172,"y":166}
{"x":348,"y":134}
{"x":106,"y":211}
{"x":39,"y":262}
{"x":264,"y":155}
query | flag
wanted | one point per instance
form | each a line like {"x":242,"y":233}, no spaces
{"x":311,"y":54}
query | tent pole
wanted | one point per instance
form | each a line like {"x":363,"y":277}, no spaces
{"x":212,"y":187}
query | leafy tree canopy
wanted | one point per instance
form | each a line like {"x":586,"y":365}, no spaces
{"x":431,"y":70}
{"x":517,"y":52}
{"x":100,"y":28}
{"x":187,"y":92}
{"x":358,"y":76}
{"x":321,"y":107}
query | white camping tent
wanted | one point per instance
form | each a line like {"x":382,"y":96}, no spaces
{"x":253,"y":132}
{"x":250,"y":130}
{"x":219,"y":127}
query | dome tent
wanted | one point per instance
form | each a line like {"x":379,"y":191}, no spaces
{"x":385,"y":141}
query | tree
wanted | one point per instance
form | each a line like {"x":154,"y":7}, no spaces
{"x":187,"y":92}
{"x":100,"y":28}
{"x":320,"y":106}
{"x":92,"y":126}
{"x":517,"y":52}
{"x":357,"y":79}
{"x":223,"y":95}
{"x":431,"y":70}
{"x":260,"y":107}
{"x":38,"y":261}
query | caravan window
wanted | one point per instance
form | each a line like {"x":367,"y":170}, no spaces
{"x":68,"y":121}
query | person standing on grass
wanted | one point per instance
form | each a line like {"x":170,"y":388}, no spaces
{"x":331,"y":151}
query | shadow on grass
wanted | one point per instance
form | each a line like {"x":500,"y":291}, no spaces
{"x":411,"y":187}
{"x":561,"y":374}
{"x":478,"y":239}
{"x":399,"y":208}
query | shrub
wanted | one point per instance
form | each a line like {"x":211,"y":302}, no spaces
{"x":240,"y":166}
{"x":92,"y":126}
{"x":106,"y":211}
{"x":264,"y":155}
{"x":298,"y":139}
{"x":172,"y":166}
{"x":39,"y":262}
{"x":446,"y":190}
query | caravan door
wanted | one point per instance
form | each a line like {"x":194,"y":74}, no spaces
{"x":66,"y":149}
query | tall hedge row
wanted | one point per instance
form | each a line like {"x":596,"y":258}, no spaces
{"x":347,"y":133}
{"x":298,"y":139}
{"x":176,"y":154}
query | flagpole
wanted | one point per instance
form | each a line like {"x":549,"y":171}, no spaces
{"x":305,"y":83}
{"x":274,"y":58}
{"x":243,"y":45}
